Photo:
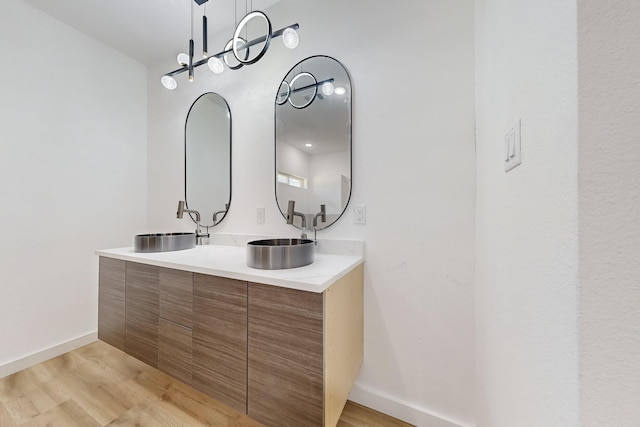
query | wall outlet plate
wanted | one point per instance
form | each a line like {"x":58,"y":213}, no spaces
{"x":260,"y":215}
{"x":359,"y":214}
{"x":513,"y":148}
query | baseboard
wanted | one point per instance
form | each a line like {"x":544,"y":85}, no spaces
{"x":404,"y":411}
{"x":46,"y":354}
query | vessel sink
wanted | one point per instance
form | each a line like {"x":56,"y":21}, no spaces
{"x":164,"y":242}
{"x":277,"y":254}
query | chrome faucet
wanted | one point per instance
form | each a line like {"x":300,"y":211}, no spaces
{"x":291,"y":213}
{"x":322,"y":214}
{"x":216,"y":213}
{"x":180,"y":213}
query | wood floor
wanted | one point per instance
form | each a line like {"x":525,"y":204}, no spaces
{"x":99,"y":385}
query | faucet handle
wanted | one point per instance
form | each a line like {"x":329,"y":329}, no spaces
{"x":180,"y":212}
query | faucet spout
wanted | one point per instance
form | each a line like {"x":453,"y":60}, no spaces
{"x":180,"y":214}
{"x":182,"y":210}
{"x":291,"y":213}
{"x":322,"y":214}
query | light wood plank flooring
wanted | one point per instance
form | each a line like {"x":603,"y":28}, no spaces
{"x":99,"y":385}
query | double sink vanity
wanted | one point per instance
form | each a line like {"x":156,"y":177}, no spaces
{"x":283,"y":346}
{"x":273,"y":328}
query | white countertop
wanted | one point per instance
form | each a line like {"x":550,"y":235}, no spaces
{"x":230,"y":262}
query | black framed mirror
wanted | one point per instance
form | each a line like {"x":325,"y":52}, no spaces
{"x":313,"y":162}
{"x":207,"y":162}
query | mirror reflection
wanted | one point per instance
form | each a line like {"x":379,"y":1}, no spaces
{"x":313,"y":141}
{"x":208,"y":158}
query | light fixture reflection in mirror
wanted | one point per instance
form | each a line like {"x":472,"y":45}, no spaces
{"x":313,"y":144}
{"x":208,"y":158}
{"x":304,"y":88}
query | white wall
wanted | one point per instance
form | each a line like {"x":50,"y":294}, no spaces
{"x":526,"y":220}
{"x":72,"y":175}
{"x":413,"y":132}
{"x":326,"y":173}
{"x":609,"y":202}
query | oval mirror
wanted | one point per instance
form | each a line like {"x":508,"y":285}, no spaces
{"x":207,"y":172}
{"x":313,"y":141}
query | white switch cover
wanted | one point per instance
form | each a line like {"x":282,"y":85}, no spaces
{"x":359,"y":214}
{"x":512,"y":148}
{"x":260,"y":215}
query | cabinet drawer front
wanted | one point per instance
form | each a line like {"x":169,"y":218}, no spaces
{"x":285,"y":356}
{"x":176,"y":296}
{"x":174,"y":350}
{"x":142,"y":295}
{"x":220,"y":339}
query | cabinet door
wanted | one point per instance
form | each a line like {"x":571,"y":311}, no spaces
{"x":174,"y":327}
{"x":285,"y":367}
{"x":176,"y":296}
{"x":141,"y":332}
{"x":111,"y":310}
{"x":220,"y":339}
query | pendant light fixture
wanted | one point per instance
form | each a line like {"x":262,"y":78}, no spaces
{"x":237,"y":47}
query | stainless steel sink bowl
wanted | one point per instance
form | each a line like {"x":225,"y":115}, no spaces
{"x":277,"y":254}
{"x":164,"y":242}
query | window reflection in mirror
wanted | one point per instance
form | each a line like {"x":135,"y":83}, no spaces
{"x":208,"y":158}
{"x":313,"y":140}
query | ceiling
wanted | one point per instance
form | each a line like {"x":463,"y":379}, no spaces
{"x":149,"y":31}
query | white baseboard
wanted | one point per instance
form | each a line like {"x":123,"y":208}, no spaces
{"x":46,"y":354}
{"x":404,"y":411}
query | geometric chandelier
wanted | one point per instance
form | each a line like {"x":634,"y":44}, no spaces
{"x":238,"y":51}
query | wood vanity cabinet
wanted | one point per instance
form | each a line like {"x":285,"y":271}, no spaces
{"x":285,"y":357}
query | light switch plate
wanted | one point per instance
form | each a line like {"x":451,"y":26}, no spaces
{"x":513,"y":148}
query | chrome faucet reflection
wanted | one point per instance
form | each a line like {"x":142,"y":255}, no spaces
{"x":179,"y":215}
{"x":291,"y":213}
{"x":223,"y":212}
{"x":322,"y":214}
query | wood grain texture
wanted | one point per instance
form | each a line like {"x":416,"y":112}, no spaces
{"x":5,"y":418}
{"x":67,"y":414}
{"x":343,"y":341}
{"x":355,"y":415}
{"x":285,"y":386}
{"x":101,"y":385}
{"x":141,"y":308}
{"x":111,"y":308}
{"x":220,"y":339}
{"x":176,"y":296}
{"x":175,"y":350}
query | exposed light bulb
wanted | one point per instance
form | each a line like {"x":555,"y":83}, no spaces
{"x":327,"y":88}
{"x":183,"y":59}
{"x":290,"y":38}
{"x":169,"y":82}
{"x":340,"y":90}
{"x":308,"y":145}
{"x":215,"y":64}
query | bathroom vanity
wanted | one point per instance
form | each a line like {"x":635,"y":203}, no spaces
{"x":282,"y":346}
